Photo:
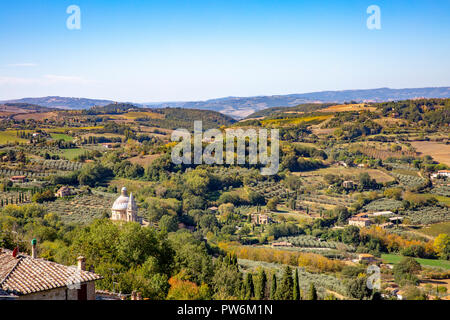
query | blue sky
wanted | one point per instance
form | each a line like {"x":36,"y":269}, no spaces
{"x":146,"y":51}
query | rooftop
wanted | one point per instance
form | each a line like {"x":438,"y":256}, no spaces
{"x":23,"y":275}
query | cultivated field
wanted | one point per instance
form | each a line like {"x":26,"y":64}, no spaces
{"x":144,"y":160}
{"x":436,"y":229}
{"x":439,"y":151}
{"x":394,"y":259}
{"x":348,"y":107}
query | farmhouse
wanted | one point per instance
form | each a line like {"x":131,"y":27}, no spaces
{"x":348,"y":184}
{"x":396,"y":219}
{"x":441,"y":173}
{"x":18,"y":179}
{"x":24,"y":277}
{"x":260,"y":218}
{"x":382,"y":213}
{"x":64,"y":192}
{"x":362,"y":215}
{"x":282,"y":244}
{"x":365,"y":257}
{"x":359,"y":222}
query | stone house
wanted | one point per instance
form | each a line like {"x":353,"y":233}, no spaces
{"x":24,"y":277}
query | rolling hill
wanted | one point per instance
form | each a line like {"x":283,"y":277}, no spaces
{"x":241,"y":107}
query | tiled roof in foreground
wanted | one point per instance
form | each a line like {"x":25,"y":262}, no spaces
{"x":23,"y":275}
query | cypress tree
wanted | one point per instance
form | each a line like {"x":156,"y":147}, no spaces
{"x":312,"y":292}
{"x":284,"y":292}
{"x":296,"y":294}
{"x":249,"y":287}
{"x":260,"y":290}
{"x":273,"y":288}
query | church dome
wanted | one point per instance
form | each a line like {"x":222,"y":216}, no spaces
{"x":121,"y":202}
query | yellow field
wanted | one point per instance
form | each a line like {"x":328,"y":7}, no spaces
{"x":439,"y":151}
{"x":294,"y":121}
{"x":348,"y":107}
{"x":137,"y":114}
{"x":10,"y":136}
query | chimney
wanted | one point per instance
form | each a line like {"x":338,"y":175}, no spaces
{"x":33,"y":249}
{"x":81,"y":263}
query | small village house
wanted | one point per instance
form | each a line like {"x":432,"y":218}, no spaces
{"x":18,"y":179}
{"x":348,"y":184}
{"x":260,"y":218}
{"x":360,"y":222}
{"x":24,"y":277}
{"x":382,"y":213}
{"x":441,"y":173}
{"x":282,"y":244}
{"x":366,"y":257}
{"x":64,"y":192}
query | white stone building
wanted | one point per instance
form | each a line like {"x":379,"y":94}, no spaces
{"x":124,"y":208}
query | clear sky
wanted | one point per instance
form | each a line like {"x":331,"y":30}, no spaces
{"x":146,"y":51}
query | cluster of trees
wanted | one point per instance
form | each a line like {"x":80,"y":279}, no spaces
{"x":429,"y":112}
{"x":101,"y":139}
{"x":130,"y":258}
{"x":44,"y":196}
{"x":286,"y":288}
{"x":311,"y":261}
{"x":294,"y":163}
{"x":13,"y":156}
{"x":357,"y":129}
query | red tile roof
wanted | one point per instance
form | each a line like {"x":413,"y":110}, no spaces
{"x":23,"y":275}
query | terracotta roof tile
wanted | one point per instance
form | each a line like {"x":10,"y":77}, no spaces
{"x":25,"y":275}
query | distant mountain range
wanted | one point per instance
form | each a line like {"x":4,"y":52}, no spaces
{"x":240,"y":107}
{"x":62,"y":102}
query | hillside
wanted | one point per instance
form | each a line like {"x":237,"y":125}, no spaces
{"x":241,"y":107}
{"x":62,"y":102}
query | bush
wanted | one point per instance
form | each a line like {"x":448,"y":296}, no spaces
{"x":45,"y":196}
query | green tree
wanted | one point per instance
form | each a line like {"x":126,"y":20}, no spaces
{"x":260,"y":287}
{"x":296,"y":293}
{"x":168,"y":223}
{"x":273,"y":287}
{"x":272,"y":204}
{"x":249,"y":287}
{"x":285,"y":290}
{"x":312,"y":294}
{"x":357,"y":288}
{"x":405,"y":270}
{"x":442,"y":246}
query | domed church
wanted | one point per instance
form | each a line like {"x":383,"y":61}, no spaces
{"x":124,"y":208}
